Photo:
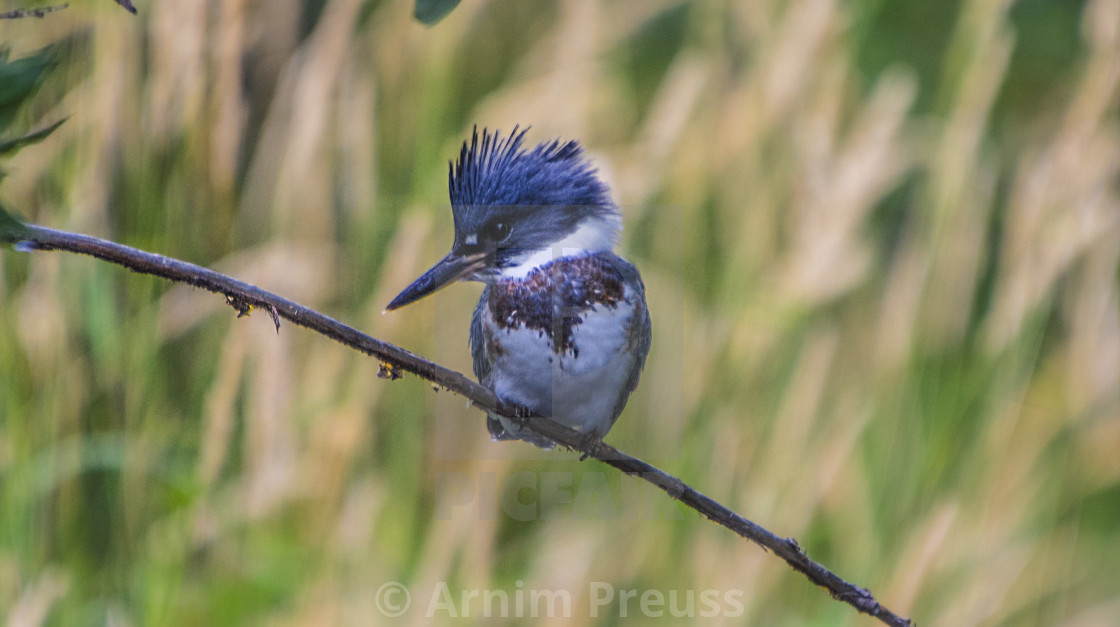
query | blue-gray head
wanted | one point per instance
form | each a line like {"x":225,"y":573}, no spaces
{"x":516,"y":209}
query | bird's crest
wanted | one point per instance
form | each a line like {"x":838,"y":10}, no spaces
{"x":496,"y":170}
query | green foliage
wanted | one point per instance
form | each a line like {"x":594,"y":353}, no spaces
{"x":19,"y":80}
{"x":9,"y":147}
{"x":11,"y":229}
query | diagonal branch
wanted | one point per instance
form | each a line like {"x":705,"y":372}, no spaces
{"x":39,"y":12}
{"x":243,"y":296}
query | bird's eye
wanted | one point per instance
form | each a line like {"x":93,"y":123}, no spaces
{"x":496,"y":232}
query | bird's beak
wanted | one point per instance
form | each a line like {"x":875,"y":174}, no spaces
{"x":450,"y":268}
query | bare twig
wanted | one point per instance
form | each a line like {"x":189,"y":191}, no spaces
{"x":127,"y":4}
{"x":39,"y":12}
{"x":243,"y":296}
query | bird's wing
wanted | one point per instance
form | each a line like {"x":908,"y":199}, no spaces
{"x":482,"y":364}
{"x":477,"y":342}
{"x":639,"y":334}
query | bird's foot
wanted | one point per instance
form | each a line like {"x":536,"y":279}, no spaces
{"x":590,"y":445}
{"x":521,"y":416}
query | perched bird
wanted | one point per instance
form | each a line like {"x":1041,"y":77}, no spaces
{"x":562,"y":326}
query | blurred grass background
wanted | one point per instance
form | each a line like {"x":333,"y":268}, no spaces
{"x":880,"y":241}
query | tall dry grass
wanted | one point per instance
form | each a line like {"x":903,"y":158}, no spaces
{"x":886,"y":327}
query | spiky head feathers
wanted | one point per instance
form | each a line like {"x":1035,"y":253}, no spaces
{"x":544,"y":194}
{"x":498,"y":171}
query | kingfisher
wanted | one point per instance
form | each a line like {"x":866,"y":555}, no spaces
{"x":562,"y":326}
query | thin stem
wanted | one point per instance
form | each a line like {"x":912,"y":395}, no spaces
{"x":38,"y":12}
{"x":243,"y":296}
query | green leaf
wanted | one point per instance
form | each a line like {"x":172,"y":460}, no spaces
{"x":11,"y":229}
{"x":431,"y":11}
{"x":18,"y":80}
{"x":11,"y":146}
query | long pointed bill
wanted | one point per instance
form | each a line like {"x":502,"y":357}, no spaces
{"x":449,"y":269}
